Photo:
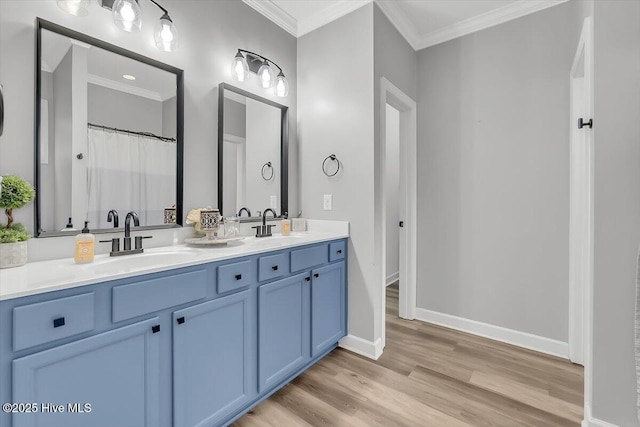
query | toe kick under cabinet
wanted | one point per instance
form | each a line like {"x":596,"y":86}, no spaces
{"x":191,"y":346}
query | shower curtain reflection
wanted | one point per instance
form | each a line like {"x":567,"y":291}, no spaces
{"x":129,"y":172}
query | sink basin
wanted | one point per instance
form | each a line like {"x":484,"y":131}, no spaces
{"x":127,"y":263}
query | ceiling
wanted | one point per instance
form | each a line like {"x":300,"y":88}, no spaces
{"x":423,"y":23}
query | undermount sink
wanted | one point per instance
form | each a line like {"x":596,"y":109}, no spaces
{"x":127,"y":263}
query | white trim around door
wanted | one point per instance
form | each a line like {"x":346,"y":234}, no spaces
{"x":408,"y":197}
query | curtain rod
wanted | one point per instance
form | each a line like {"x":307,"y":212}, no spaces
{"x":148,"y":134}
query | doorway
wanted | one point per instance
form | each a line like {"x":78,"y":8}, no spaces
{"x":402,"y":113}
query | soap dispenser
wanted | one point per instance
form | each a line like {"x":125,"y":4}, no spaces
{"x":85,"y":246}
{"x":69,"y":227}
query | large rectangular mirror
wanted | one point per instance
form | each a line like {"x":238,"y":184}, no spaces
{"x":109,"y":130}
{"x":252,"y":154}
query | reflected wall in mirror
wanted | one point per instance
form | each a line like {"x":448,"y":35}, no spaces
{"x":108,"y":134}
{"x":252,"y":153}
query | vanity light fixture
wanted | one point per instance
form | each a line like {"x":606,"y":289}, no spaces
{"x":261,"y":66}
{"x":75,"y":7}
{"x":127,"y":15}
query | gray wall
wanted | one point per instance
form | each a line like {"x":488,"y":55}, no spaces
{"x":493,"y":175}
{"x":113,"y":108}
{"x":63,"y":155}
{"x":169,"y":117}
{"x":335,"y":89}
{"x":47,"y":170}
{"x":617,"y":207}
{"x":235,"y":118}
{"x":395,"y":60}
{"x":210,"y":34}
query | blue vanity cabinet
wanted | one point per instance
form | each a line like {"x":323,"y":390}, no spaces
{"x":328,"y":306}
{"x":194,"y":346}
{"x":116,"y":372}
{"x":283,"y":329}
{"x":214,"y":347}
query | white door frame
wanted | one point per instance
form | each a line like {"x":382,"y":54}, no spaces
{"x":581,"y":228}
{"x":408,"y":200}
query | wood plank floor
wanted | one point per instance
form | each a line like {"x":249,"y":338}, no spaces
{"x":429,"y":376}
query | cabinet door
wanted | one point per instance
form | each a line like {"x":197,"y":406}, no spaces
{"x":328,"y":311}
{"x":116,"y":372}
{"x":283,"y":329}
{"x":214,"y":346}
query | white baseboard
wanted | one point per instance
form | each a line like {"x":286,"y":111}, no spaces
{"x":589,"y":421}
{"x":392,"y":278}
{"x":363,"y":347}
{"x":498,"y":333}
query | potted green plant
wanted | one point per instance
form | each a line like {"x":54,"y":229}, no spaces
{"x":15,"y":192}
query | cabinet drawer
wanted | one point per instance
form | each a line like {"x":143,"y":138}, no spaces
{"x":273,"y":266}
{"x":236,"y":276}
{"x":52,"y":320}
{"x":148,"y":296}
{"x":302,"y":259}
{"x":337,"y":251}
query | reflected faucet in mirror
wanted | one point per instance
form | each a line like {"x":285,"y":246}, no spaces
{"x":112,"y":216}
{"x":244,"y":210}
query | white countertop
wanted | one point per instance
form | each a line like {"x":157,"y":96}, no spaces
{"x":46,"y":276}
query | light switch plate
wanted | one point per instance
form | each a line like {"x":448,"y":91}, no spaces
{"x":328,"y":202}
{"x":274,"y":202}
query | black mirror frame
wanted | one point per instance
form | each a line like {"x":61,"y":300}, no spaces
{"x":284,"y":143}
{"x":42,"y":24}
{"x":1,"y":110}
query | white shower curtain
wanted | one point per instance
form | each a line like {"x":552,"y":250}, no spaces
{"x":129,"y":173}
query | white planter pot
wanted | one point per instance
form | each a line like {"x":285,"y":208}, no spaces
{"x":13,"y":254}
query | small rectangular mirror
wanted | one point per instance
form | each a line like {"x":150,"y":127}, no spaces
{"x":252,"y":154}
{"x":108,"y":135}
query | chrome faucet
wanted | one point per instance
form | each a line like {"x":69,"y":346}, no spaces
{"x":127,"y":228}
{"x":244,"y":210}
{"x":264,"y":230}
{"x":112,"y":216}
{"x":115,"y":242}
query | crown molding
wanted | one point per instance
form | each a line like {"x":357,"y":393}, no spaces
{"x":336,"y":10}
{"x":485,"y":20}
{"x":392,"y":11}
{"x":276,"y":15}
{"x":122,"y":87}
{"x":299,"y":28}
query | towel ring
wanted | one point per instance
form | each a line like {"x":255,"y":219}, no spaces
{"x":324,"y":164}
{"x":262,"y":172}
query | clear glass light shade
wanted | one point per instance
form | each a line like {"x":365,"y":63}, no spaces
{"x":127,"y":15}
{"x":75,"y":7}
{"x":266,"y":77}
{"x":239,"y":68}
{"x":282,"y":86}
{"x":165,"y":35}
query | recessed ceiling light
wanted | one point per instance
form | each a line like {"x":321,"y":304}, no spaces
{"x":128,"y":77}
